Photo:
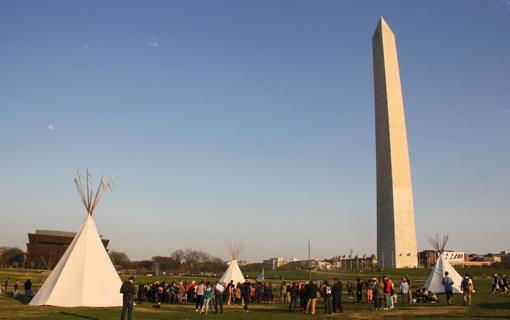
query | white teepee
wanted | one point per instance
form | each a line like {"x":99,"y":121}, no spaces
{"x":233,"y":272}
{"x":261,"y":276}
{"x":435,"y":281}
{"x":85,"y":275}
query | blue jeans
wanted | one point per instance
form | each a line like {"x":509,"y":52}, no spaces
{"x":127,"y":305}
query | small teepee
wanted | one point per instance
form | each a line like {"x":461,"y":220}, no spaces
{"x":85,"y":275}
{"x":435,"y":281}
{"x":233,"y":272}
{"x":261,"y":276}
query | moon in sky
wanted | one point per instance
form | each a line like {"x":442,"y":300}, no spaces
{"x":50,"y":127}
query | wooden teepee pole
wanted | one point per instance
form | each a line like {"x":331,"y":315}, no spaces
{"x":90,"y":199}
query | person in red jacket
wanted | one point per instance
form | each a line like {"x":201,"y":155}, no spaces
{"x":388,"y":293}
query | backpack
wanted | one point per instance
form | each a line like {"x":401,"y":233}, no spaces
{"x":465,"y":284}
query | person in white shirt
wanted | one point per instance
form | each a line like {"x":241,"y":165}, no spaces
{"x":404,"y":290}
{"x":467,"y":289}
{"x":448,"y":288}
{"x":218,"y":297}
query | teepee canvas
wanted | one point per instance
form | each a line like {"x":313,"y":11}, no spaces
{"x":85,"y":275}
{"x":261,"y":276}
{"x":435,"y":281}
{"x":233,"y":271}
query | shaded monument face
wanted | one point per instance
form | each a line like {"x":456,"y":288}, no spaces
{"x":396,"y":231}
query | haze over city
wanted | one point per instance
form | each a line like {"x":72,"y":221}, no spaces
{"x":223,"y":121}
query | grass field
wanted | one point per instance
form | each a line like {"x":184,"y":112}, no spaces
{"x":486,"y":305}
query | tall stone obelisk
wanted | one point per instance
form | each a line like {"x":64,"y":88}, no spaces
{"x":396,"y":230}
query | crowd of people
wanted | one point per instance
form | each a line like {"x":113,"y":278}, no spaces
{"x":499,"y":283}
{"x":27,"y":286}
{"x":300,"y":296}
{"x":180,"y":291}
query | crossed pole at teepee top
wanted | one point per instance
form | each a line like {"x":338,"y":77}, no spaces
{"x":89,"y":198}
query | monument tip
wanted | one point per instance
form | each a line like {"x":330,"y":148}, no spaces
{"x":382,"y":25}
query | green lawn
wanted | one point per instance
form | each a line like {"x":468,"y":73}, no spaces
{"x":486,"y":305}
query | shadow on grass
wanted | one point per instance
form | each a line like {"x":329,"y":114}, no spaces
{"x":77,"y":315}
{"x":22,"y":299}
{"x":495,"y":306}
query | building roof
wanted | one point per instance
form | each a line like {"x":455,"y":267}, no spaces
{"x":57,"y":233}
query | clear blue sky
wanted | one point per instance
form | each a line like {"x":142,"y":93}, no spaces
{"x":250,"y":121}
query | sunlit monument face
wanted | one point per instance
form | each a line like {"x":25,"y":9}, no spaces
{"x":396,"y":230}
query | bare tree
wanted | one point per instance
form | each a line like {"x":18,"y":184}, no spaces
{"x":12,"y":257}
{"x":120,"y":259}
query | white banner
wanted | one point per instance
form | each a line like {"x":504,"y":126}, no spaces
{"x":454,"y":256}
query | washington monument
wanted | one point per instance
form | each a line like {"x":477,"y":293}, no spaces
{"x":396,"y":230}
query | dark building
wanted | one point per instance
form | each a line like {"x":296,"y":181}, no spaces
{"x":46,"y":247}
{"x":427,"y":258}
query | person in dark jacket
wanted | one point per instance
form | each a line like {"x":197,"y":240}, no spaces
{"x":350,"y":289}
{"x":142,"y":292}
{"x":359,"y":290}
{"x":28,"y":290}
{"x":294,"y":293}
{"x":245,"y":292}
{"x":326,"y":295}
{"x":128,"y":294}
{"x":336,"y":292}
{"x":302,"y":297}
{"x":311,"y":296}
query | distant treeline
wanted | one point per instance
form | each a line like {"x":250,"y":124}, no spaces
{"x":11,"y":257}
{"x":180,"y":261}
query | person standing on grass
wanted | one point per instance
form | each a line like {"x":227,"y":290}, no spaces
{"x":467,"y":289}
{"x":245,"y":292}
{"x":388,"y":293}
{"x":6,"y":283}
{"x":410,"y":291}
{"x":283,"y":292}
{"x":302,"y":296}
{"x":28,"y":289}
{"x":359,"y":290}
{"x":192,"y":291}
{"x":269,"y":292}
{"x":213,"y":297}
{"x":218,"y":297}
{"x":237,"y":293}
{"x":495,"y":287}
{"x":259,"y":292}
{"x":448,"y":287}
{"x":207,"y":297}
{"x":199,"y":304}
{"x":311,"y":297}
{"x":128,"y":294}
{"x":369,"y":291}
{"x":294,"y":294}
{"x":230,"y":292}
{"x":503,"y":281}
{"x":326,"y":295}
{"x":182,"y":291}
{"x":404,"y":290}
{"x":16,"y":289}
{"x":336,"y":293}
{"x":375,"y":294}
